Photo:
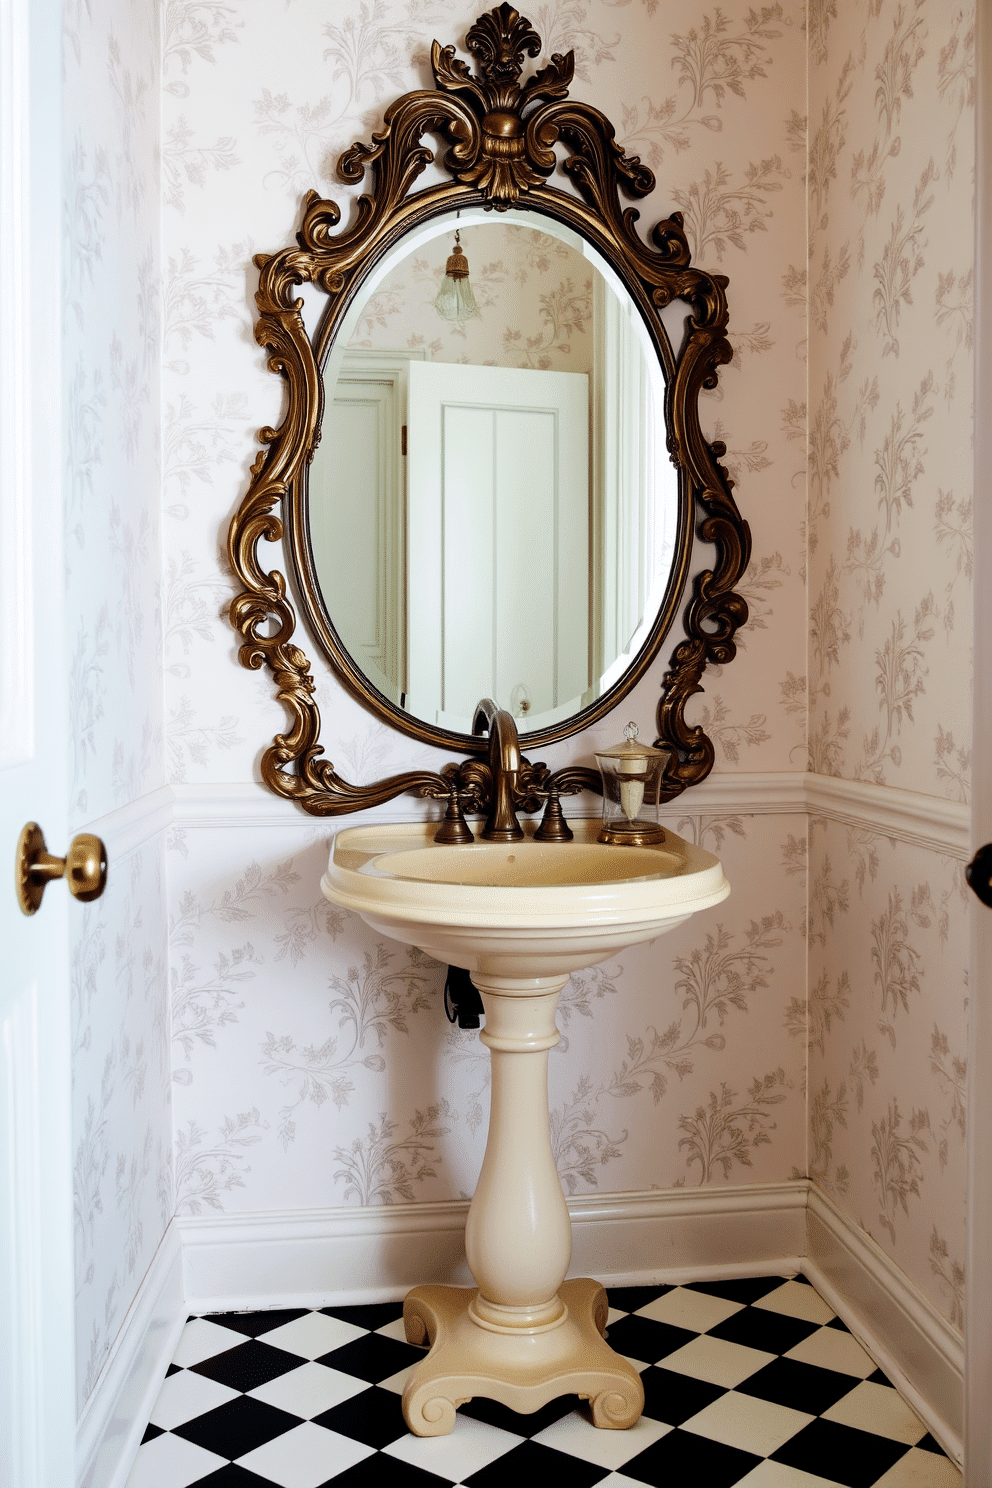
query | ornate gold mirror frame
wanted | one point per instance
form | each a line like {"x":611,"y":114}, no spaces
{"x":501,"y":136}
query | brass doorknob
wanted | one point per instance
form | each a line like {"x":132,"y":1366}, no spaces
{"x":84,"y":867}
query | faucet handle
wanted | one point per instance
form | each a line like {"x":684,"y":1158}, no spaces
{"x":554,"y":827}
{"x":454,"y":829}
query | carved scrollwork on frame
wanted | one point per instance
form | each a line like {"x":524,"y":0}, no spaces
{"x":504,"y":136}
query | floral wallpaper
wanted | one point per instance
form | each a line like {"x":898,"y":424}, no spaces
{"x":310,"y":1062}
{"x":534,"y":294}
{"x":122,"y":1136}
{"x":889,"y":284}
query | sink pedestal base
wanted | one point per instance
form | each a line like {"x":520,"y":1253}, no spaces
{"x":526,"y":1335}
{"x":523,"y":1368}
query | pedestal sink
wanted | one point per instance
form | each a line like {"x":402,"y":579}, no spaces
{"x":520,"y":917}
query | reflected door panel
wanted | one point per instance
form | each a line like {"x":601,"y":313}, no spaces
{"x":498,"y":468}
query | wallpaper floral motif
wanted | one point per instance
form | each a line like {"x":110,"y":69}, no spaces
{"x":890,"y":569}
{"x":533,"y":292}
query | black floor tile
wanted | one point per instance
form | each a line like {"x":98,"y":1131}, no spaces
{"x":236,"y":1427}
{"x":151,"y":1432}
{"x":372,"y":1358}
{"x":374,"y":1315}
{"x":760,"y":1328}
{"x":928,"y":1444}
{"x":374,"y":1417}
{"x":841,"y":1454}
{"x":233,"y":1476}
{"x":804,"y":1387}
{"x":253,"y":1323}
{"x":673,"y":1398}
{"x":629,"y":1299}
{"x":248,"y":1365}
{"x":385,"y":1472}
{"x":644,"y":1339}
{"x":532,"y":1463}
{"x":745,"y":1289}
{"x":683,"y":1457}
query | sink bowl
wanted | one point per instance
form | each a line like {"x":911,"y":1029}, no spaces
{"x":521,"y":909}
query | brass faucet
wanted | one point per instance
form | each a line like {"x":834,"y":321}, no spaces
{"x":504,"y":765}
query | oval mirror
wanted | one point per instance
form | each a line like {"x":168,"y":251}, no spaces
{"x":534,"y":542}
{"x":492,"y":509}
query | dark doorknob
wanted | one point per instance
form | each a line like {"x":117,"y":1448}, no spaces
{"x":979,"y":874}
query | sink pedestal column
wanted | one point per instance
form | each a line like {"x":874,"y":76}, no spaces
{"x":525,"y":1335}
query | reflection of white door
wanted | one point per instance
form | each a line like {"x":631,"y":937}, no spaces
{"x":498,"y":523}
{"x":356,"y":513}
{"x":636,"y":484}
{"x":36,"y":1285}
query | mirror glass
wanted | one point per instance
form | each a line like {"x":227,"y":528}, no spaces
{"x":492,"y":508}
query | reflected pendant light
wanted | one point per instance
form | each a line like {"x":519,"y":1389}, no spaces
{"x":455,"y":300}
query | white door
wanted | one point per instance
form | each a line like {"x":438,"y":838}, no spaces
{"x":498,"y":468}
{"x":36,"y":1286}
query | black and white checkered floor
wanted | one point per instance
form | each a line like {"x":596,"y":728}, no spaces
{"x":751,"y":1382}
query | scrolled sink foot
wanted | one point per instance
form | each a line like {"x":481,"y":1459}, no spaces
{"x":523,"y":1369}
{"x":618,"y":1407}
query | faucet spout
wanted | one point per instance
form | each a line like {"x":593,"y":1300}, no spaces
{"x":504,"y":766}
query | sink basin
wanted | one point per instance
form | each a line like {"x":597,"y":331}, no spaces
{"x":520,"y":917}
{"x":527,"y":908}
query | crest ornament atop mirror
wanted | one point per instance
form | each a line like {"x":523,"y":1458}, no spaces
{"x":501,"y":136}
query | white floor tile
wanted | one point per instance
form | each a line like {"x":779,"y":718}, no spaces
{"x":777,"y":1475}
{"x":312,"y":1335}
{"x":614,"y":1316}
{"x":201,"y":1339}
{"x":186,"y":1395}
{"x":716,"y":1360}
{"x":831,"y":1348}
{"x":757,"y":1426}
{"x":880,"y":1409}
{"x":304,"y":1457}
{"x":796,"y":1300}
{"x":577,"y":1435}
{"x":685,"y":1309}
{"x":171,"y":1462}
{"x":395,"y":1329}
{"x":920,"y":1469}
{"x":617,"y":1480}
{"x":397,"y":1382}
{"x":471,"y":1446}
{"x":309,"y":1390}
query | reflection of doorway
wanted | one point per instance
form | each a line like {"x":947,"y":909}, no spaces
{"x":498,"y":539}
{"x":357,"y":512}
{"x":636,"y":486}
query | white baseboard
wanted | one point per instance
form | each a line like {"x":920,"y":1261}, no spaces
{"x":919,"y":1350}
{"x":321,"y":1257}
{"x":115,"y":1416}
